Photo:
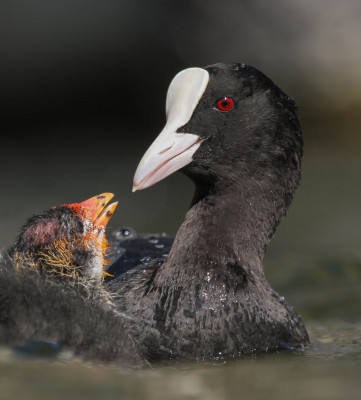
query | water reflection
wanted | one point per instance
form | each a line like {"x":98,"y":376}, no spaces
{"x":310,"y":262}
{"x":330,"y":369}
{"x":100,"y":69}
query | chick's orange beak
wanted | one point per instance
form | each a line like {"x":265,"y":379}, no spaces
{"x":97,"y":210}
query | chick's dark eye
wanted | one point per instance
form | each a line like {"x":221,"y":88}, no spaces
{"x":225,"y":104}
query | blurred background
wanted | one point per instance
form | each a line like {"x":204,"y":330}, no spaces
{"x":82,"y":87}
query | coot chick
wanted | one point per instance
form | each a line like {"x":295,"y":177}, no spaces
{"x":51,"y":285}
{"x":237,"y":136}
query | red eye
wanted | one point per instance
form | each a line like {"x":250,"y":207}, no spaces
{"x":225,"y":104}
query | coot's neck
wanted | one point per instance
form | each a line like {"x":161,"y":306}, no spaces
{"x":226,"y":230}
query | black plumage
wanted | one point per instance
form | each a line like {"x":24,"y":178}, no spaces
{"x":51,"y":289}
{"x":210,"y":298}
{"x":241,"y":144}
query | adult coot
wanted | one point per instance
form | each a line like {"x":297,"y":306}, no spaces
{"x":51,"y":285}
{"x":237,"y":136}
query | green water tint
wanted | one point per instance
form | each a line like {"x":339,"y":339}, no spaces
{"x":327,"y":294}
{"x":314,"y":261}
{"x":325,"y":289}
{"x":329,"y":369}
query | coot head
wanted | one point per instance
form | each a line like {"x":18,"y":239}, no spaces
{"x":225,"y":122}
{"x":66,"y":241}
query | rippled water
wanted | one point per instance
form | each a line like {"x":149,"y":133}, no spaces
{"x":314,"y":261}
{"x":329,"y":369}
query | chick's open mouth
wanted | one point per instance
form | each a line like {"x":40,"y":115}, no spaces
{"x":97,"y":209}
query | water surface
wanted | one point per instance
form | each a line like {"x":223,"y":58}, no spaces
{"x":314,"y":261}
